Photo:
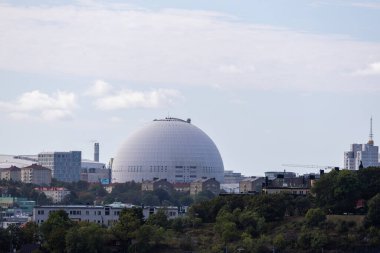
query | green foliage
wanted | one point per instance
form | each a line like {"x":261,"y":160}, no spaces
{"x":373,"y":216}
{"x":370,"y":182}
{"x":314,"y":217}
{"x":312,"y":239}
{"x":337,"y":191}
{"x":54,"y":230}
{"x":87,"y":237}
{"x":271,"y":207}
{"x":204,"y":196}
{"x":30,"y":232}
{"x":279,"y":242}
{"x":147,"y":238}
{"x":125,"y":229}
{"x":159,"y":219}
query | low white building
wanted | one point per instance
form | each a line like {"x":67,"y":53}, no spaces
{"x":102,"y":215}
{"x":57,"y":194}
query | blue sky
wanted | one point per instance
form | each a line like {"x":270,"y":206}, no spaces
{"x":271,"y":82}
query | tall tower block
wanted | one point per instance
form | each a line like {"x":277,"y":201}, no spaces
{"x":96,"y":152}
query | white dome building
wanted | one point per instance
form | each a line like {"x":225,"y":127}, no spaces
{"x":167,"y":148}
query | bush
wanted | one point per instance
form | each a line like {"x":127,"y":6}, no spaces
{"x":314,"y":217}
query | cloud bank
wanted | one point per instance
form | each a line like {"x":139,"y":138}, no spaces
{"x":41,"y":106}
{"x":178,"y":47}
{"x":109,"y":98}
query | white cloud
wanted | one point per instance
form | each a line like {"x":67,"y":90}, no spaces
{"x":369,"y":5}
{"x":99,"y":88}
{"x":177,"y":47}
{"x":38,"y":105}
{"x":371,"y":69}
{"x":126,"y":99}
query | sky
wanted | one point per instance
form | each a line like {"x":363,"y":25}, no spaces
{"x":271,"y":82}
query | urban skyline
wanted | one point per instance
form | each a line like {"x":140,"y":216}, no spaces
{"x":296,"y":84}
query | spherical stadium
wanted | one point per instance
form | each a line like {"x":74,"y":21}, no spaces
{"x":168,"y":148}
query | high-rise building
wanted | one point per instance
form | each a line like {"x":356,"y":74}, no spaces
{"x":65,"y":166}
{"x":362,"y":155}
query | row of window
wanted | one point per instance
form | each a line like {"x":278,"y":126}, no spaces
{"x":79,"y":212}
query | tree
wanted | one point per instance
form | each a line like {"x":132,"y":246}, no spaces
{"x":314,"y":217}
{"x":54,"y":230}
{"x":159,"y":219}
{"x":373,"y":216}
{"x":130,"y":220}
{"x":337,"y":191}
{"x":271,"y":207}
{"x":30,"y":232}
{"x":87,"y":237}
{"x":148,"y":237}
{"x":370,"y":182}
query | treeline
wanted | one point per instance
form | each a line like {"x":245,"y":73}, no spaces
{"x":59,"y":234}
{"x":341,"y":215}
{"x":94,"y":193}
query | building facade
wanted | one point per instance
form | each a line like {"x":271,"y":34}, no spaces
{"x":231,"y":177}
{"x":155,"y":184}
{"x":294,"y":186}
{"x":204,"y":184}
{"x":12,"y":173}
{"x":362,"y":155}
{"x":251,"y":185}
{"x":102,"y":215}
{"x":94,"y":172}
{"x":57,"y":194}
{"x":65,"y":166}
{"x":168,"y":148}
{"x":36,"y":174}
{"x":366,"y":155}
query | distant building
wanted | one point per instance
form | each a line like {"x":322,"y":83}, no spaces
{"x":23,"y":205}
{"x":94,"y":172}
{"x":57,"y":194}
{"x":251,"y":185}
{"x":362,"y":155}
{"x":65,"y":166}
{"x":12,"y":173}
{"x":203,"y":184}
{"x":294,"y":186}
{"x":156,"y":183}
{"x":181,"y":187}
{"x":271,"y":175}
{"x":20,"y":161}
{"x":231,"y":177}
{"x":36,"y":174}
{"x":102,"y":215}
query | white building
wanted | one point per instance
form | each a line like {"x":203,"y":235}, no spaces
{"x":168,"y":148}
{"x":365,"y":155}
{"x":94,"y":172}
{"x":102,"y":215}
{"x":57,"y":194}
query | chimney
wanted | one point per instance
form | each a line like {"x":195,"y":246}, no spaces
{"x":96,"y":152}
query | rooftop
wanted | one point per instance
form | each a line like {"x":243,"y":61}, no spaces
{"x":174,"y":119}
